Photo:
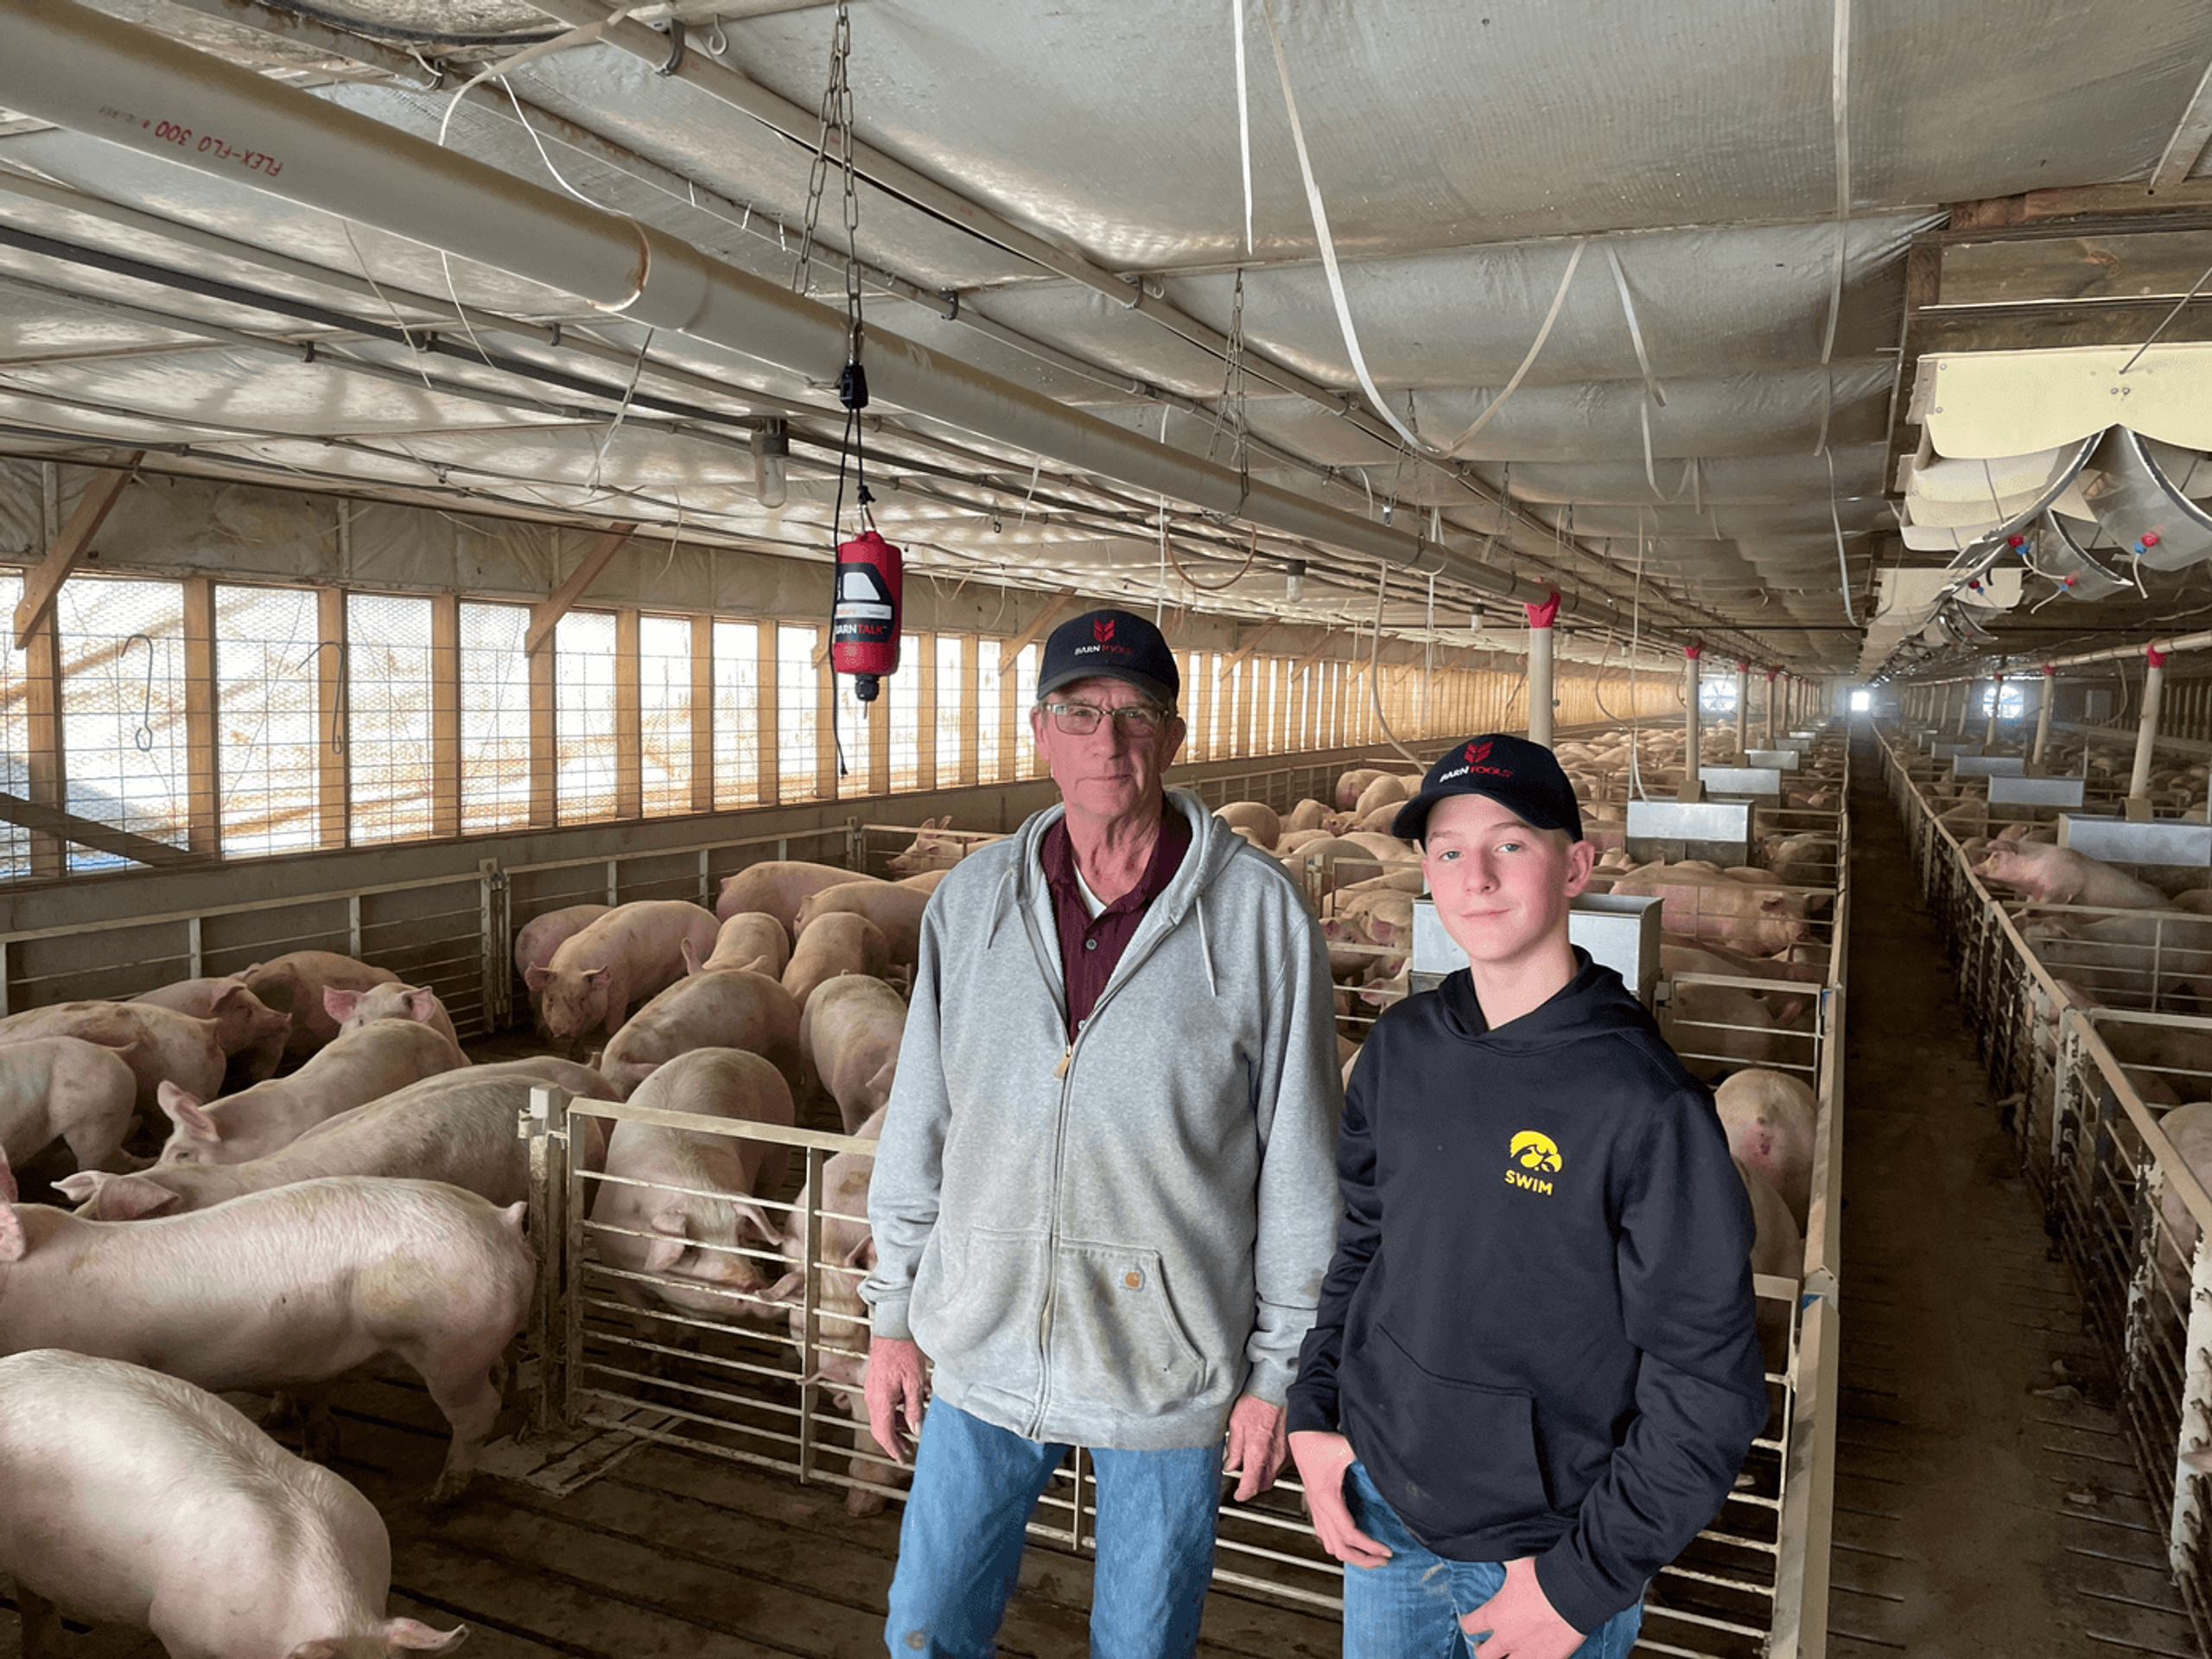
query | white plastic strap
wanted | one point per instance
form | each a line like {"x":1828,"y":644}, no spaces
{"x":1244,"y":121}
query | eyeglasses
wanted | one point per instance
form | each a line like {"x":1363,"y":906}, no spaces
{"x":1130,"y":719}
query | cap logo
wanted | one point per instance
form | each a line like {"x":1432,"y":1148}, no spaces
{"x":1476,"y":752}
{"x":1103,"y":630}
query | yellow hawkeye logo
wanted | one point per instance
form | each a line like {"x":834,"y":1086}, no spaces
{"x":1536,"y":1153}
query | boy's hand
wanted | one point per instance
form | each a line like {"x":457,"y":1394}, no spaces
{"x":1519,"y":1619}
{"x":1322,"y":1459}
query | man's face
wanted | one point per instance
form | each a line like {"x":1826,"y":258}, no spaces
{"x":1109,"y":774}
{"x":1501,"y":886}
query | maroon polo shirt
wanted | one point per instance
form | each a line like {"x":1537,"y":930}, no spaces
{"x":1089,"y":950}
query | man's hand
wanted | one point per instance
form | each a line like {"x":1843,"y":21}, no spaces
{"x":1322,"y":1460}
{"x":1520,"y":1620}
{"x":1257,"y":1449}
{"x":896,"y":1380}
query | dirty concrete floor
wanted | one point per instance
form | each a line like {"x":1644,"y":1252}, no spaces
{"x":1975,"y":1516}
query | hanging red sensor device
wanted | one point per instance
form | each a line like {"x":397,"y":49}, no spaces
{"x":864,"y":617}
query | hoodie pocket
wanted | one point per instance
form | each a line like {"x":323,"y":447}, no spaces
{"x":1117,"y":1342}
{"x":978,"y":1305}
{"x":1453,"y":1457}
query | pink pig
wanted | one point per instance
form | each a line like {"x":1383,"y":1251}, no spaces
{"x":631,"y":953}
{"x":247,"y":1029}
{"x":295,"y":982}
{"x":777,"y":885}
{"x":352,"y":1009}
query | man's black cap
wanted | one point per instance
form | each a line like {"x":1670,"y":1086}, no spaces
{"x":1110,"y":645}
{"x":1522,"y":777}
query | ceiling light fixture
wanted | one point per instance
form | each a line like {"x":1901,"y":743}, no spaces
{"x":772,"y":449}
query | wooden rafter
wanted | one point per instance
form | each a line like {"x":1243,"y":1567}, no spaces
{"x":89,"y":832}
{"x":548,"y":613}
{"x":1045,"y":620}
{"x":1250,"y":645}
{"x":99,"y":498}
{"x":1312,"y":656}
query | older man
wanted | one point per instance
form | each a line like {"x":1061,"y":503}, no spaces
{"x":1104,"y":1197}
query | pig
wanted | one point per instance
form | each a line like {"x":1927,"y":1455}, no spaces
{"x":283,"y":1290}
{"x":352,"y":1009}
{"x":458,"y":1128}
{"x":2058,"y":875}
{"x":1387,"y":850}
{"x":924,"y":883}
{"x":65,"y":1089}
{"x":930,"y":849}
{"x":778,"y":886}
{"x":1388,"y":790}
{"x":539,"y":938}
{"x":839,"y":943}
{"x":2189,"y":1128}
{"x":1770,"y":1117}
{"x":896,"y":910}
{"x":1255,"y":819}
{"x":1352,"y":785}
{"x":1700,"y":901}
{"x":158,"y":1044}
{"x":731,"y":1007}
{"x":1306,"y":815}
{"x":365,"y":1063}
{"x":1321,"y":866}
{"x":1802,"y":859}
{"x":87,"y":1439}
{"x":751,"y":939}
{"x":694,"y":1246}
{"x":247,"y":1029}
{"x":1715,"y":1027}
{"x":295,"y":982}
{"x":633,"y":952}
{"x":848,"y":1253}
{"x":1778,"y":1246}
{"x":849,"y":1032}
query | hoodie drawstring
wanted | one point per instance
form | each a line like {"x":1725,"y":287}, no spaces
{"x":1206,"y":951}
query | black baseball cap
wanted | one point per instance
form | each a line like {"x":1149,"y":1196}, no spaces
{"x":1522,"y":777}
{"x":1113,"y":646}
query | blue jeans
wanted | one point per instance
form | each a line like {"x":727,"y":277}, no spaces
{"x":1409,"y":1607}
{"x":960,"y":1543}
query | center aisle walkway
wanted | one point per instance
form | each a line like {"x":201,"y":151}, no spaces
{"x":1986,"y":1502}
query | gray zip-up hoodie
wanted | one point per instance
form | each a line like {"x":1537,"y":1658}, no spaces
{"x":1104,"y":1242}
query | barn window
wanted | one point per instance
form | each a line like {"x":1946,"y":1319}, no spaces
{"x":494,"y":718}
{"x":988,"y":723}
{"x":269,"y":743}
{"x":956,"y":708}
{"x":15,"y":733}
{"x":123,"y":738}
{"x":737,"y":715}
{"x":665,"y":713}
{"x":798,"y":711}
{"x":903,"y":701}
{"x":1025,"y":697}
{"x":388,"y":716}
{"x":583,"y":727}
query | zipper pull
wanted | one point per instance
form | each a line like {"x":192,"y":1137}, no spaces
{"x":1061,"y":1069}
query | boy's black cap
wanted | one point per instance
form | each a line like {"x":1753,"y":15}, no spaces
{"x":1109,"y":645}
{"x":1522,"y":777}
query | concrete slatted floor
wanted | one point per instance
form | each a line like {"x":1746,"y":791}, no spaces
{"x":1986,"y":1502}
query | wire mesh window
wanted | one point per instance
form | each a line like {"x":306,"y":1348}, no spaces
{"x":123,"y":732}
{"x":494,"y":718}
{"x":269,"y":744}
{"x":737,"y":715}
{"x":388,"y":716}
{"x":952,"y":726}
{"x":1271,"y":720}
{"x":903,"y":697}
{"x":1025,"y":695}
{"x":665,"y":713}
{"x":584,"y":724}
{"x":15,"y":733}
{"x":987,"y":711}
{"x":798,"y":711}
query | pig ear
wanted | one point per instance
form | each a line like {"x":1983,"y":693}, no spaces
{"x":786,"y":1289}
{"x":862,"y":1255}
{"x":82,"y":1185}
{"x":751,"y":1218}
{"x":690,"y":956}
{"x":878,"y":1086}
{"x":597,"y":976}
{"x":536,"y":979}
{"x":662,"y":1253}
{"x":758,"y":965}
{"x":417,"y":1638}
{"x":423,"y":1004}
{"x":132,"y":1198}
{"x":339,"y":1005}
{"x":186,"y":1113}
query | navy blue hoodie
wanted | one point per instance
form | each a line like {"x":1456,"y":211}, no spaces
{"x":1537,"y":1329}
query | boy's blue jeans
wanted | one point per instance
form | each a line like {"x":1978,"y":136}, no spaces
{"x":960,"y":1543}
{"x":1409,"y":1607}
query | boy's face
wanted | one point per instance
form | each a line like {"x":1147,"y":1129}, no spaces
{"x":1501,"y":886}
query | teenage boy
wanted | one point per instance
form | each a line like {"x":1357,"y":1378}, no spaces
{"x":1534,"y":1374}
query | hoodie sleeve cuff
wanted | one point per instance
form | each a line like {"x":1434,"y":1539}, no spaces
{"x":1584,"y":1600}
{"x":888,"y":1320}
{"x":1268,"y":1380}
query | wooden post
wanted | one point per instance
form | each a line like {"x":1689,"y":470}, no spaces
{"x":926,"y":713}
{"x":203,"y":826}
{"x":1009,"y":731}
{"x":877,"y":725}
{"x":43,"y":737}
{"x":768,"y":738}
{"x":825,"y":730}
{"x":703,"y":714}
{"x":445,"y":715}
{"x":333,"y":744}
{"x":629,"y":718}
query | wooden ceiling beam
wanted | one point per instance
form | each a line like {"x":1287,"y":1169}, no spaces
{"x":76,"y":536}
{"x":546,"y":613}
{"x":1045,"y":620}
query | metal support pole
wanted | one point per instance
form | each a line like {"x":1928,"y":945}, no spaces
{"x":2146,"y":734}
{"x":1691,"y":789}
{"x":1770,"y":707}
{"x":1966,"y":706}
{"x":2043,"y":713}
{"x":1742,"y":709}
{"x":1996,"y":702}
{"x":1541,"y":618}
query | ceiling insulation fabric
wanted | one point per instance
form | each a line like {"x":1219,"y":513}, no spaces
{"x":1711,"y":438}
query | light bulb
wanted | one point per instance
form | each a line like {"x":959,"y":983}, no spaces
{"x":772,"y":448}
{"x":1295,"y":583}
